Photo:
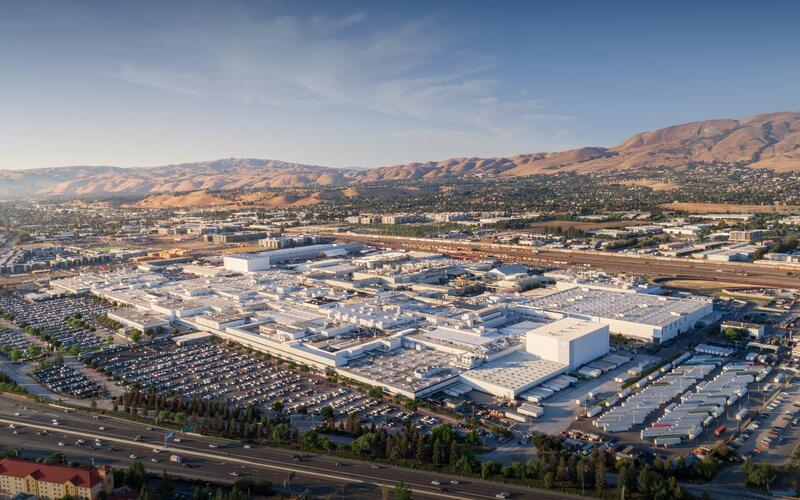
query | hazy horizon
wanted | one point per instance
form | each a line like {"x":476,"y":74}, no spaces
{"x":361,"y":85}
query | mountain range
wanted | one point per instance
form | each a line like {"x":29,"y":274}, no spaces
{"x":770,"y":141}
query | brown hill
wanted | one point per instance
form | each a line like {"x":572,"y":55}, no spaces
{"x":765,"y":141}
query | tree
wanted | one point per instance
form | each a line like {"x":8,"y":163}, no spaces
{"x":402,"y":492}
{"x":74,"y":350}
{"x":165,"y":487}
{"x":310,"y":440}
{"x":136,"y":335}
{"x":759,"y":475}
{"x":135,"y":475}
{"x":437,"y":452}
{"x":361,"y":445}
{"x":549,"y":480}
{"x":16,"y":354}
{"x":472,"y":437}
{"x":582,"y":471}
{"x":489,"y":468}
{"x":327,"y":413}
{"x":280,"y":432}
{"x":600,"y":475}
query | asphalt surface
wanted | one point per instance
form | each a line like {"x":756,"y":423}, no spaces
{"x":729,"y":272}
{"x":322,"y":475}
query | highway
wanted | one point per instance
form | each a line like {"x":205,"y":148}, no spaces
{"x":322,"y":475}
{"x":745,"y":274}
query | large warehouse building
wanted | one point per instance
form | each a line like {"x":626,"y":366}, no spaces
{"x":569,"y":341}
{"x":649,"y":317}
{"x":261,"y":261}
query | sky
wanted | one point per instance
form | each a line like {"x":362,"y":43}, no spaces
{"x":365,"y":84}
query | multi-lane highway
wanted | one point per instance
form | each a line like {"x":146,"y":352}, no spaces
{"x":657,"y":267}
{"x":219,"y":460}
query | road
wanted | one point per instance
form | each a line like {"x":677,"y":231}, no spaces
{"x":661,"y":267}
{"x":318,"y":473}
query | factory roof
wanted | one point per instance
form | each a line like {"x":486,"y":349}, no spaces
{"x":566,"y":329}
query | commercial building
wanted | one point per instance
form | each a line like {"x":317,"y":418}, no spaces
{"x":239,"y":237}
{"x":50,"y":482}
{"x":750,"y":236}
{"x":755,"y":330}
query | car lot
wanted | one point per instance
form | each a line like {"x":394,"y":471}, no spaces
{"x":9,"y":340}
{"x":211,"y":371}
{"x":66,"y":380}
{"x":51,"y":314}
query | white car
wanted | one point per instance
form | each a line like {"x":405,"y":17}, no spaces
{"x":235,"y":474}
{"x":62,"y":443}
{"x":154,"y":460}
{"x":213,"y":445}
{"x":133,"y":457}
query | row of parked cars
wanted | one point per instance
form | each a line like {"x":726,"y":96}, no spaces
{"x":212,"y":371}
{"x":51,"y":314}
{"x":64,"y":379}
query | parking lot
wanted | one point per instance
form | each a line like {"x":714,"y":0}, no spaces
{"x":772,"y":435}
{"x":10,"y":340}
{"x":211,"y":371}
{"x":65,"y":380}
{"x":51,"y":314}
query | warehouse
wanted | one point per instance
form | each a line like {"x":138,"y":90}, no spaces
{"x":512,"y":375}
{"x":649,"y":317}
{"x":569,"y":341}
{"x":261,"y":261}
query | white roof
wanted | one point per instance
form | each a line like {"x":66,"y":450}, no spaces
{"x":567,"y":329}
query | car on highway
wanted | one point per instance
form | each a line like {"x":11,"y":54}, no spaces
{"x":62,"y":443}
{"x":436,"y":483}
{"x":235,"y":474}
{"x":503,"y":494}
{"x":133,"y":457}
{"x":213,"y":445}
{"x":154,"y":460}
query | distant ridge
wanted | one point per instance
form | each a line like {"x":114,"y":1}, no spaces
{"x":770,"y":141}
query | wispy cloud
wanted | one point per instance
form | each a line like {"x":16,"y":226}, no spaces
{"x":411,"y":69}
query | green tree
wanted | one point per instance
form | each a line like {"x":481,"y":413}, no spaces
{"x":549,"y":480}
{"x":402,"y":492}
{"x":760,"y":475}
{"x":280,"y":432}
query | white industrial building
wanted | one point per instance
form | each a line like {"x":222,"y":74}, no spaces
{"x":261,"y":261}
{"x":649,"y":317}
{"x":569,"y":341}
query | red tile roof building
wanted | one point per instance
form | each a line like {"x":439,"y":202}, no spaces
{"x":53,"y":481}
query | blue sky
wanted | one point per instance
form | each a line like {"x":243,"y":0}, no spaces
{"x":366,"y":83}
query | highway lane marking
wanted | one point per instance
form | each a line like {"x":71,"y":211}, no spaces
{"x":253,"y":461}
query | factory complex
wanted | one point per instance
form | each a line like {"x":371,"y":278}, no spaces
{"x":411,"y":323}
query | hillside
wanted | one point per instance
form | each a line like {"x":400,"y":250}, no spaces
{"x":770,"y":141}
